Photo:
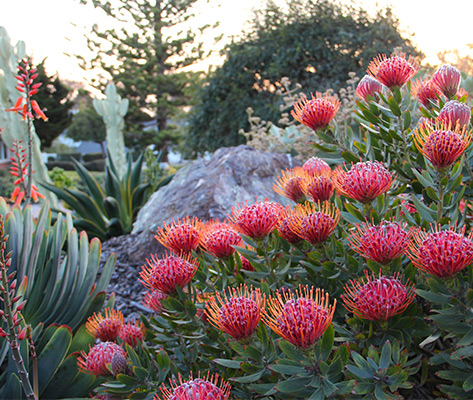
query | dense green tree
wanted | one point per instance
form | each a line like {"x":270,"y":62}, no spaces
{"x":54,"y":98}
{"x":144,"y":60}
{"x":314,"y":43}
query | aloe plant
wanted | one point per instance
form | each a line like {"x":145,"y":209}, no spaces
{"x":108,"y":211}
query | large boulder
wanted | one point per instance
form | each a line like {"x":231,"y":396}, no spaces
{"x":208,"y":189}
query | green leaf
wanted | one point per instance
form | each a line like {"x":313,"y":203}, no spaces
{"x":228,"y":363}
{"x":286,"y":369}
{"x":433,"y":297}
{"x":394,"y":107}
{"x":385,"y":359}
{"x":290,"y":351}
{"x":249,"y":378}
{"x":468,"y":384}
{"x":327,"y":343}
{"x":292,"y":385}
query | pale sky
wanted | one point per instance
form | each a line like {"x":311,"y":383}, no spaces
{"x":46,"y":26}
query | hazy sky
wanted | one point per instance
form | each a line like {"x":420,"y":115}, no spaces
{"x":47,"y":27}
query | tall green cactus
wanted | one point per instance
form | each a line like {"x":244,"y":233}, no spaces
{"x":113,"y":110}
{"x":15,"y":127}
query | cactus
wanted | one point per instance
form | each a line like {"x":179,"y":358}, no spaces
{"x":15,"y":127}
{"x":113,"y":109}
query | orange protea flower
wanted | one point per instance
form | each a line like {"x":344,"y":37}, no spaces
{"x":152,"y":300}
{"x":196,"y":389}
{"x":166,"y":273}
{"x":95,"y":363}
{"x":218,"y":238}
{"x":363,"y":182}
{"x":315,"y":222}
{"x":301,"y":317}
{"x":378,"y":299}
{"x":393,"y":71}
{"x":447,"y":78}
{"x":180,"y":236}
{"x":238,"y":314}
{"x":368,"y":86}
{"x":440,"y":144}
{"x":381,"y":243}
{"x":316,"y":166}
{"x":288,"y":227}
{"x":316,"y":113}
{"x":257,"y":220}
{"x":290,"y":184}
{"x":454,"y":112}
{"x":441,"y":253}
{"x":105,"y":327}
{"x":132,"y":333}
{"x":318,"y":188}
{"x":426,"y":92}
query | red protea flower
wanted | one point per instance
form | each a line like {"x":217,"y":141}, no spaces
{"x":461,"y":93}
{"x":363,"y":182}
{"x":316,"y":166}
{"x":368,"y":86}
{"x":196,"y":389}
{"x":152,"y":300}
{"x":95,"y":363}
{"x":245,"y":264}
{"x":381,"y":243}
{"x":257,"y":220}
{"x":301,"y":317}
{"x":318,"y":188}
{"x":378,"y":299}
{"x":315,"y":222}
{"x":218,"y":238}
{"x":441,"y":253}
{"x":167,"y":273}
{"x":105,"y":327}
{"x":440,"y":144}
{"x":237,"y":314}
{"x":426,"y":92}
{"x":288,"y":228}
{"x":180,"y":236}
{"x":393,"y":71}
{"x":316,"y":113}
{"x":132,"y":333}
{"x":290,"y":184}
{"x":447,"y":78}
{"x":454,"y":112}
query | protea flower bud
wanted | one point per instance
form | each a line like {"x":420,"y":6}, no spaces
{"x":218,"y":238}
{"x":368,"y":86}
{"x":290,"y":184}
{"x":132,"y":333}
{"x":454,"y":112}
{"x":316,"y":166}
{"x":180,"y":236}
{"x":95,"y":363}
{"x":301,"y":317}
{"x":378,"y":299}
{"x":447,"y":78}
{"x":196,"y":389}
{"x":118,"y":364}
{"x":426,"y":92}
{"x":316,"y":113}
{"x":105,"y":327}
{"x":394,"y":71}
{"x":363,"y":182}
{"x":152,"y":300}
{"x":237,"y":314}
{"x":318,"y":188}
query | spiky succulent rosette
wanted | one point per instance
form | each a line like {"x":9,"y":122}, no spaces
{"x":237,"y":313}
{"x":317,"y":112}
{"x":219,"y":238}
{"x":180,"y":236}
{"x":393,"y":71}
{"x":300,"y":316}
{"x":106,"y":326}
{"x":95,"y":362}
{"x":378,"y":298}
{"x":196,"y":389}
{"x":290,"y":184}
{"x":439,"y":252}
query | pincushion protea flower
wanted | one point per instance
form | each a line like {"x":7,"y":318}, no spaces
{"x":441,"y":252}
{"x":105,"y":327}
{"x":196,"y":389}
{"x":288,"y":228}
{"x":363,"y":182}
{"x":368,"y":86}
{"x":426,"y":92}
{"x":290,"y":184}
{"x":180,"y":236}
{"x":315,"y":222}
{"x":245,"y":264}
{"x":317,"y":112}
{"x":166,"y":273}
{"x":378,"y":299}
{"x":257,"y":220}
{"x":95,"y":363}
{"x":440,"y":144}
{"x":394,"y":71}
{"x":454,"y":112}
{"x":316,"y":166}
{"x":237,"y":314}
{"x":218,"y":238}
{"x":318,"y":188}
{"x":381,"y":243}
{"x":132,"y":333}
{"x":301,"y":316}
{"x":447,"y":78}
{"x":152,"y":300}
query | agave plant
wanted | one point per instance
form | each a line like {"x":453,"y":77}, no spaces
{"x":109,"y":211}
